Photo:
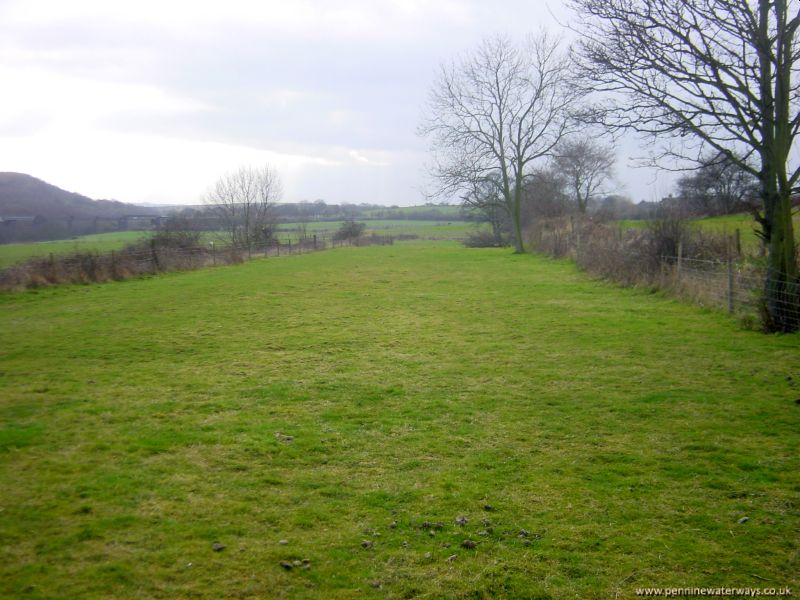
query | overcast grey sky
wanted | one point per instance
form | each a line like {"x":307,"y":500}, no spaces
{"x":152,"y":101}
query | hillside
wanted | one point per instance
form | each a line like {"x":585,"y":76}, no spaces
{"x":22,"y":195}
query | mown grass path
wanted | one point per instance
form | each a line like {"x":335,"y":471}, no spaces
{"x":626,"y":433}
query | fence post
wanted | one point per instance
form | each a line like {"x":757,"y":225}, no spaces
{"x":156,"y":266}
{"x":738,"y":243}
{"x":278,"y":246}
{"x":315,"y":241}
{"x":290,"y":245}
{"x":680,"y":260}
{"x":213,"y":254}
{"x":729,"y":253}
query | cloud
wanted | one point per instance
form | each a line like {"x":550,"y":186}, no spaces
{"x":149,"y":100}
{"x":361,"y":158}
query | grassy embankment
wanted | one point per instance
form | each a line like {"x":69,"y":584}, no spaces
{"x":637,"y":440}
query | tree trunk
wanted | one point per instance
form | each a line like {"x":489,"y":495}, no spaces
{"x":781,"y":290}
{"x":515,"y":212}
{"x":781,"y":285}
{"x":519,"y":247}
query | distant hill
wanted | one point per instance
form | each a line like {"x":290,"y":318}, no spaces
{"x":22,"y":196}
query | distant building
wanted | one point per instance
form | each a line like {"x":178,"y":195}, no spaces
{"x":139,"y":222}
{"x":12,"y":220}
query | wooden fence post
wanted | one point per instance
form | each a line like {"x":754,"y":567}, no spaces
{"x":154,"y":254}
{"x":731,"y":300}
{"x":680,"y":260}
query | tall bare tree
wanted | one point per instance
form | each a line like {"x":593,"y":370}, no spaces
{"x":243,"y":202}
{"x":719,"y":187}
{"x":712,"y":74}
{"x":494,"y":112}
{"x":586,"y":165}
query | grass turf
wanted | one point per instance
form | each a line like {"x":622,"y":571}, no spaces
{"x":626,"y":433}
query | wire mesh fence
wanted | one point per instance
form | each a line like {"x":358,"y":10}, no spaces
{"x":738,"y":287}
{"x":151,"y":258}
{"x":707,"y":268}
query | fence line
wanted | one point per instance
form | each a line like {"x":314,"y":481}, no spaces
{"x":150,"y":258}
{"x":739,"y":287}
{"x":714,"y":274}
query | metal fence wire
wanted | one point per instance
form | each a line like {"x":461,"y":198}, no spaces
{"x":738,"y":287}
{"x":716,"y":275}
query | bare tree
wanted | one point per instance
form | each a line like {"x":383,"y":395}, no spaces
{"x":719,"y":187}
{"x":709,"y":74}
{"x":586,"y":165}
{"x":493,"y":113}
{"x":243,"y":201}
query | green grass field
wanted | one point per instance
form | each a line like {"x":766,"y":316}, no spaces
{"x":727,"y":224}
{"x":11,"y":254}
{"x":99,"y":242}
{"x":596,"y":439}
{"x":424,"y":229}
{"x":450,"y":210}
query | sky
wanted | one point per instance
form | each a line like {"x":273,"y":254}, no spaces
{"x":153,"y":101}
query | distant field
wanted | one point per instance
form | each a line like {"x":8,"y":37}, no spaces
{"x":347,"y":407}
{"x":725,"y":224}
{"x":105,"y":242}
{"x":448,"y":210}
{"x":100,"y":242}
{"x":425,"y":229}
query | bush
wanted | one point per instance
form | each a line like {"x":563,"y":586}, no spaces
{"x":666,"y":233}
{"x":350,"y":230}
{"x":482,"y":239}
{"x":176,"y":239}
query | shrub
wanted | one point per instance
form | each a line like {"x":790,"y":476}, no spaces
{"x":482,"y":238}
{"x":350,"y":230}
{"x":176,"y":239}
